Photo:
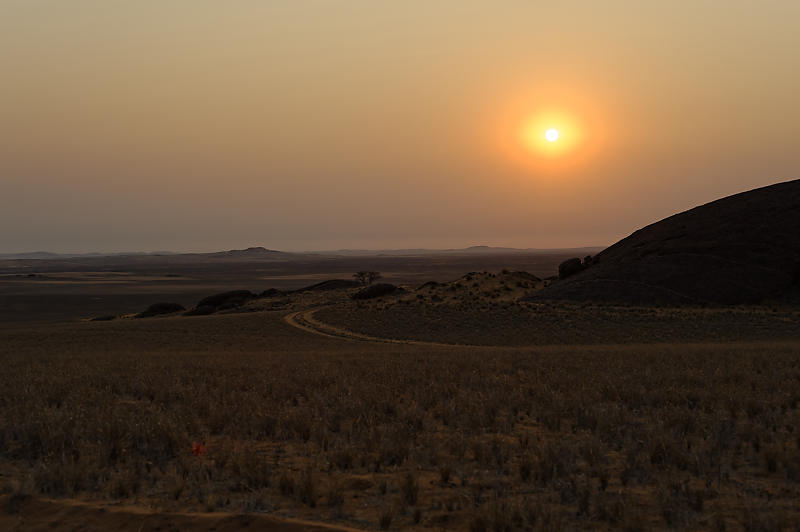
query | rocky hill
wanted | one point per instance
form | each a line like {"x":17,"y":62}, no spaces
{"x":743,"y":248}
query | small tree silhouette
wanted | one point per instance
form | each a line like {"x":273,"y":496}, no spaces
{"x":366,"y":278}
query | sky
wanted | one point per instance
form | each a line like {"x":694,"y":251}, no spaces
{"x":197,"y":125}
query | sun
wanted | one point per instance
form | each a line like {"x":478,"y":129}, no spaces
{"x":551,"y":135}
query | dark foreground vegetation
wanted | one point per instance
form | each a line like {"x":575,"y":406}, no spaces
{"x":174,"y":414}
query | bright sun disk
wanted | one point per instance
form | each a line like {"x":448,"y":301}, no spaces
{"x":551,"y":135}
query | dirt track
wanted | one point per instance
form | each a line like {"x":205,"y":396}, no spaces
{"x":305,"y":321}
{"x":34,"y":514}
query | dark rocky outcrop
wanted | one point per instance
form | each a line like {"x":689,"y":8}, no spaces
{"x":376,"y":290}
{"x":743,"y":248}
{"x":157,"y":309}
{"x":227,"y":300}
{"x":201,"y":310}
{"x":518,"y":274}
{"x":431,"y":285}
{"x":570,"y":267}
{"x":331,"y":284}
{"x":271,"y":292}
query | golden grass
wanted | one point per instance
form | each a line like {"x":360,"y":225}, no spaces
{"x":395,"y":436}
{"x":476,"y":320}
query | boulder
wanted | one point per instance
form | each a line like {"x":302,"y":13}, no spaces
{"x":330,"y":284}
{"x":570,"y":267}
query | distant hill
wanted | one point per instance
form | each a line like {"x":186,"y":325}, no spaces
{"x":743,"y":248}
{"x":33,"y":255}
{"x":252,"y":252}
{"x":259,"y":252}
{"x":472,"y":250}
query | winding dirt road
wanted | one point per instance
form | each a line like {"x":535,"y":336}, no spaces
{"x":305,"y":320}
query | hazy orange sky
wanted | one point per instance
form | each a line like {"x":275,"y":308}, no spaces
{"x":299,"y":125}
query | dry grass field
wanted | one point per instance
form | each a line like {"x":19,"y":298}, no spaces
{"x":387,"y":435}
{"x":483,"y":308}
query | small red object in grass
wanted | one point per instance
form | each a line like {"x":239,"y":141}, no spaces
{"x":198,"y":448}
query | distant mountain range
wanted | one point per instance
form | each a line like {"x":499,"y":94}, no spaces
{"x":46,"y":255}
{"x":456,"y":251}
{"x":259,"y":252}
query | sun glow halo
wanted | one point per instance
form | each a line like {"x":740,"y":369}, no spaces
{"x":551,"y":134}
{"x":547,"y":138}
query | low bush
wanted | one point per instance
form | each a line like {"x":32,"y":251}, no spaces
{"x":376,"y":290}
{"x":158,"y":309}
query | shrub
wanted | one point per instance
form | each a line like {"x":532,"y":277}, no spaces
{"x":271,"y":292}
{"x":226,"y":300}
{"x":366,"y":278}
{"x":157,"y":309}
{"x":335,"y":494}
{"x":330,"y":284}
{"x":444,"y":474}
{"x":306,"y":491}
{"x":385,"y":519}
{"x":16,"y":498}
{"x":286,"y":484}
{"x":203,"y":310}
{"x":410,"y":489}
{"x":375,"y":290}
{"x":525,"y":469}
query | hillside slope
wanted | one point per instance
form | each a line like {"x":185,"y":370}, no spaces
{"x":743,"y":248}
